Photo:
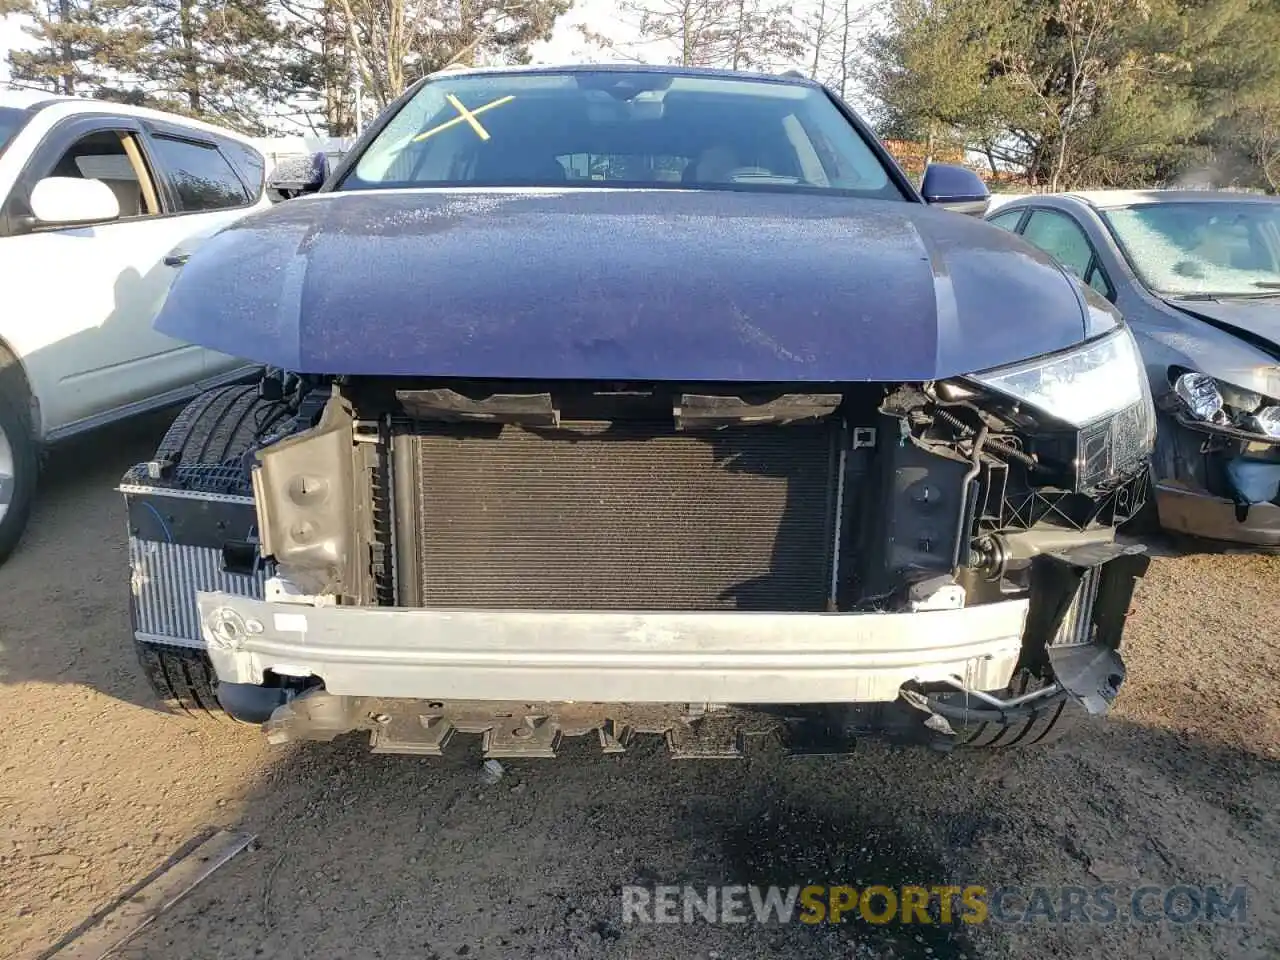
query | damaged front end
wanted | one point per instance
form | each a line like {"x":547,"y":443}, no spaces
{"x":705,"y":561}
{"x":1218,"y":461}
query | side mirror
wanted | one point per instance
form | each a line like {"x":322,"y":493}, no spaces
{"x":295,"y":176}
{"x":71,"y":201}
{"x":955,"y":188}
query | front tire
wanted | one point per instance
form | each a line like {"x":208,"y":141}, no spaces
{"x":219,"y":427}
{"x":19,"y":455}
{"x":183,"y":679}
{"x":214,"y":430}
{"x":1039,"y":727}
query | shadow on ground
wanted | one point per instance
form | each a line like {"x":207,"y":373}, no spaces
{"x":56,"y":606}
{"x":370,"y":856}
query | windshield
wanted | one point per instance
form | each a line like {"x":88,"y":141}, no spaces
{"x":11,"y":121}
{"x":621,"y":129}
{"x":1227,"y":248}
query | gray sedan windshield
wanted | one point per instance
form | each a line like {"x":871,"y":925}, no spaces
{"x":11,"y":121}
{"x":622,"y":129}
{"x":1202,"y":248}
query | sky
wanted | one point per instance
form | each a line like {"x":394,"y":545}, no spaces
{"x":565,"y":46}
{"x":11,"y":36}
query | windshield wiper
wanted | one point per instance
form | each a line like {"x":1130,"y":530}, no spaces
{"x":1242,"y":295}
{"x":1263,"y":295}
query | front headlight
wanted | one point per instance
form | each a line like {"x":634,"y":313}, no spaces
{"x":1201,"y":395}
{"x":1099,"y":390}
{"x":1080,"y":386}
{"x":1267,"y":421}
{"x":1213,"y":401}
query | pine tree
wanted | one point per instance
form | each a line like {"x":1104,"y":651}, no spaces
{"x":216,"y":59}
{"x":1084,"y":92}
{"x":83,"y":44}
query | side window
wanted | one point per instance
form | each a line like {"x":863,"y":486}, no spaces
{"x":249,"y":164}
{"x":1007,"y":221}
{"x":201,"y":176}
{"x":1097,"y":279}
{"x":1061,"y":238}
{"x":114,"y":157}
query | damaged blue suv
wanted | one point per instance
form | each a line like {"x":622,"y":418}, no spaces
{"x":614,"y":401}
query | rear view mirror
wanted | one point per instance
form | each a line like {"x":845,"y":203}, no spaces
{"x":295,"y":176}
{"x":72,"y":201}
{"x":955,"y":188}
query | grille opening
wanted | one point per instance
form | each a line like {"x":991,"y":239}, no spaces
{"x":621,"y":515}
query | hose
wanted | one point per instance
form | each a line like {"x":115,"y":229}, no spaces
{"x":991,"y":714}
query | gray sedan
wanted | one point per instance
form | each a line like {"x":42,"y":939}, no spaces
{"x":1197,"y":276}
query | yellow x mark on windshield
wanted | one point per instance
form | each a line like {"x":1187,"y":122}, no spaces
{"x":464,"y":116}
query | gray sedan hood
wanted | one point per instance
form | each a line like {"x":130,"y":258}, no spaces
{"x":1258,"y":320}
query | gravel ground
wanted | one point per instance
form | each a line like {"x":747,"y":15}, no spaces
{"x":364,"y":856}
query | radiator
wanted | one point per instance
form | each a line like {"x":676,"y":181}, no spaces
{"x":165,"y":578}
{"x":623,"y":517}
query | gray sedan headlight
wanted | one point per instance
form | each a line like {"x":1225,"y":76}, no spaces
{"x":1213,"y":401}
{"x":1267,"y":421}
{"x":1200,"y":393}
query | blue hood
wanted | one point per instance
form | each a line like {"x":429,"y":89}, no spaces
{"x":621,"y":285}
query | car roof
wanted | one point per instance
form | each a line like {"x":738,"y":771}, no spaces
{"x":1112,"y":199}
{"x":791,"y":77}
{"x":41,"y":100}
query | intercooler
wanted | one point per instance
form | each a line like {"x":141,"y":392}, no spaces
{"x":622,"y":516}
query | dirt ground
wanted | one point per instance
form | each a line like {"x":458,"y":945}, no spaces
{"x":363,"y":856}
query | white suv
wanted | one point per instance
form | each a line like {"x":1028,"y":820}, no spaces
{"x":100,"y":205}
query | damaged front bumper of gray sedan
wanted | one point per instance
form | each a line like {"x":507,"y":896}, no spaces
{"x":1217,"y":481}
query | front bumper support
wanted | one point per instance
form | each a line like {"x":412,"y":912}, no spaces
{"x":611,"y":657}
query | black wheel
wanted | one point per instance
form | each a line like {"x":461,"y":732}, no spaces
{"x":19,"y":456}
{"x":1039,"y":726}
{"x":182,"y":678}
{"x":215,"y":429}
{"x":221,"y":426}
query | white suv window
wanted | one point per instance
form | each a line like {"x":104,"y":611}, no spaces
{"x":201,"y":176}
{"x":114,"y":157}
